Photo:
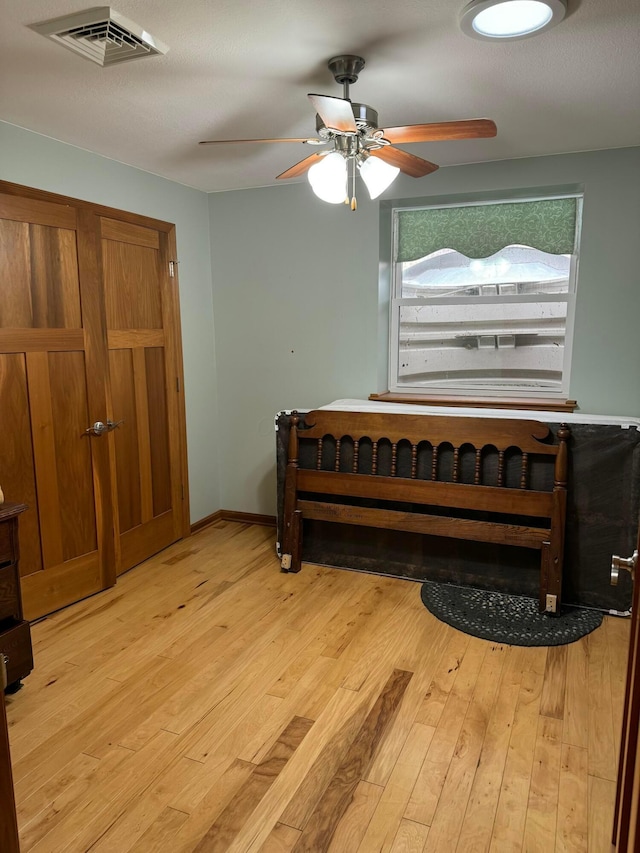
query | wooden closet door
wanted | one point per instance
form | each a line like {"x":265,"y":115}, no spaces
{"x":144,"y":368}
{"x":52,"y":368}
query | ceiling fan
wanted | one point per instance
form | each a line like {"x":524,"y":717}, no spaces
{"x":351,"y":131}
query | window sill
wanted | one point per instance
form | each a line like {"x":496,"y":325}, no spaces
{"x":532,"y":403}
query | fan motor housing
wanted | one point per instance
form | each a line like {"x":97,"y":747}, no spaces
{"x":366,"y":121}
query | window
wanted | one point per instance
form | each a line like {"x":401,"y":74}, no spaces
{"x":483,"y":298}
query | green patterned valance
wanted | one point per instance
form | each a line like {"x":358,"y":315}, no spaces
{"x":481,"y":230}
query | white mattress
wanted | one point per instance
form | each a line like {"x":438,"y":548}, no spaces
{"x":548,"y":417}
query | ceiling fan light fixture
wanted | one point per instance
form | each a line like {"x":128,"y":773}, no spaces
{"x":510,"y":19}
{"x":328,"y":178}
{"x":377,"y":175}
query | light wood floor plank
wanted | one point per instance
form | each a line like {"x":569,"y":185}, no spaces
{"x":601,"y":753}
{"x":555,"y":680}
{"x":572,"y":830}
{"x":282,"y":839}
{"x":306,"y":798}
{"x":386,"y":820}
{"x":430,"y":782}
{"x":617,"y":630}
{"x":393,"y":743}
{"x":196,"y":780}
{"x":101,"y":806}
{"x":129,"y":828}
{"x":74,"y":776}
{"x":542,"y":808}
{"x":342,"y":705}
{"x":319,"y":829}
{"x":69,"y":799}
{"x":410,"y":838}
{"x":221,"y":833}
{"x":168,"y":825}
{"x":509,"y":823}
{"x":447,"y":820}
{"x":353,"y":824}
{"x":307,"y":699}
{"x":211,"y":805}
{"x":477,"y":825}
{"x":436,"y":697}
{"x":576,"y":708}
{"x":601,"y":801}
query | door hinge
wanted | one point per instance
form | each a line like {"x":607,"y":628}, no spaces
{"x":172,"y":268}
{"x":178,"y":384}
{"x":182,"y":488}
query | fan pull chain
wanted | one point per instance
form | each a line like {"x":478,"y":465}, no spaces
{"x":354,"y":203}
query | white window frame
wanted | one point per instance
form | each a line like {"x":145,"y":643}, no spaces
{"x":481,"y":391}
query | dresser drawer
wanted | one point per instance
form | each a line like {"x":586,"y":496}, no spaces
{"x":6,"y":544}
{"x":15,"y":644}
{"x":9,"y":593}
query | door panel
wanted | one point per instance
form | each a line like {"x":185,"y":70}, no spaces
{"x":18,"y":475}
{"x":55,"y":290}
{"x":15,"y":301}
{"x":73,"y":459}
{"x":158,"y":429}
{"x":44,"y":291}
{"x":123,"y":401}
{"x":43,"y":439}
{"x":47,"y":462}
{"x":132,"y":293}
{"x":140,"y":314}
{"x":144,"y":443}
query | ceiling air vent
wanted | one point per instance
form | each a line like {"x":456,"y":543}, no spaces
{"x":102,"y":35}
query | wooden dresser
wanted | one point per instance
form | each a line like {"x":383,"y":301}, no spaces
{"x":15,"y":636}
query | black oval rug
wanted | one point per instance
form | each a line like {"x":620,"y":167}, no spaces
{"x":504,"y":618}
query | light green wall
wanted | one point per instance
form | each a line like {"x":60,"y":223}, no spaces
{"x":37,"y":161}
{"x":299,"y":318}
{"x":296,"y":312}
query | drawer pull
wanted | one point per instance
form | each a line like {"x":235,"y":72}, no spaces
{"x":5,"y":563}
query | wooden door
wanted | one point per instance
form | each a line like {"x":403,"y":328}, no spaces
{"x":626,"y":831}
{"x":144,"y":368}
{"x":52,"y":367}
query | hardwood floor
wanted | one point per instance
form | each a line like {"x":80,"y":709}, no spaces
{"x":209,"y":702}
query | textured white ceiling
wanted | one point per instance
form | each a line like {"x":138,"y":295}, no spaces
{"x":237,"y":70}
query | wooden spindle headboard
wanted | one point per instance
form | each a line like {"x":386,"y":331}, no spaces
{"x":433,"y":462}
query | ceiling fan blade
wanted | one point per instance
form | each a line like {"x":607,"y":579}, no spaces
{"x":476,"y":128}
{"x":411,"y":165}
{"x":236,"y":141}
{"x":336,"y":113}
{"x":300,"y":168}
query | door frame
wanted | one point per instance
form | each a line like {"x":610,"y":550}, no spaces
{"x":626,"y":826}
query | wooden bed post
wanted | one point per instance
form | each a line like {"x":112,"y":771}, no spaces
{"x":552,"y":556}
{"x":296,"y":541}
{"x":292,"y":525}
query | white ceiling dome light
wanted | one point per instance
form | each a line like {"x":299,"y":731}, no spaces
{"x":510,"y":19}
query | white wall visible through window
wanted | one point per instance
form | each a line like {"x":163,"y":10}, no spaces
{"x":483,"y":298}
